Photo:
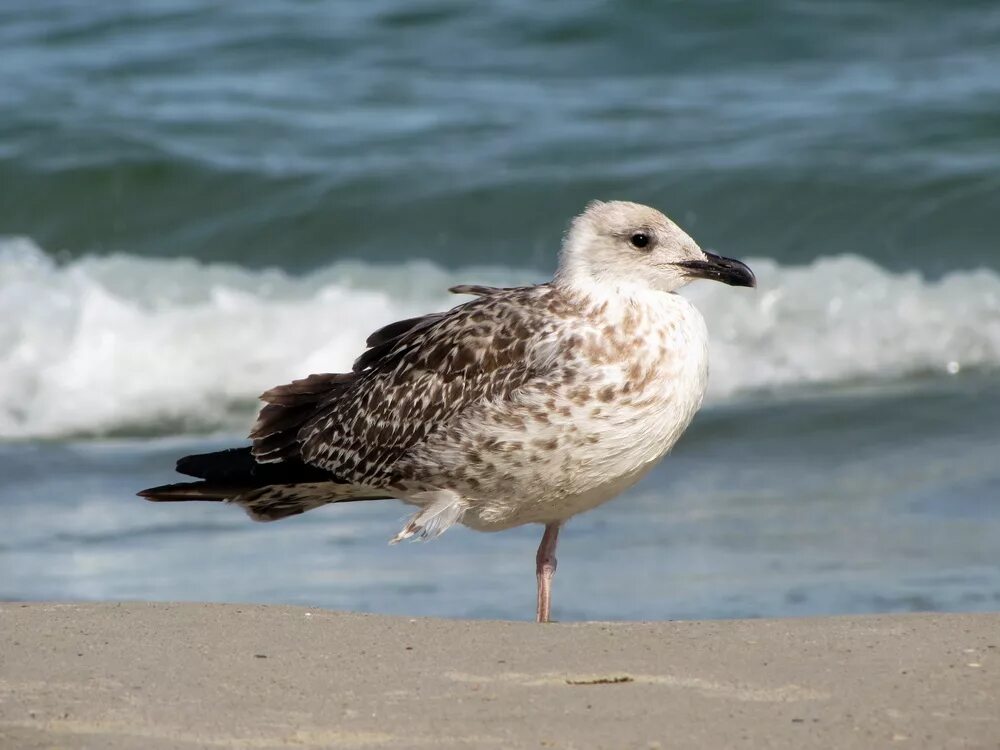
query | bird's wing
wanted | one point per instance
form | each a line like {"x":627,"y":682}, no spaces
{"x":416,"y":376}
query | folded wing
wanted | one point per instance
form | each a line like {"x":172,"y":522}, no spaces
{"x":416,"y":376}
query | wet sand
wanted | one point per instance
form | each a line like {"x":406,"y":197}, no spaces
{"x":204,"y":675}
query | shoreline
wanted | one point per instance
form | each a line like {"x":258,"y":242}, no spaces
{"x":157,"y":675}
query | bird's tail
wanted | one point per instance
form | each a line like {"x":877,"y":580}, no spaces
{"x":267,"y":492}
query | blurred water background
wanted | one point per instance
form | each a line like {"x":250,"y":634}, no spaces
{"x":199,"y":201}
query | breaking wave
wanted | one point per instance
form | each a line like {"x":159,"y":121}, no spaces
{"x":129,"y":345}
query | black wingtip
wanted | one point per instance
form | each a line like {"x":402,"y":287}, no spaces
{"x":188,"y":491}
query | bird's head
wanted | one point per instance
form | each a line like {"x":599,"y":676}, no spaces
{"x":629,"y":245}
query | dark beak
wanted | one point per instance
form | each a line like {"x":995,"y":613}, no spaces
{"x":717,"y":268}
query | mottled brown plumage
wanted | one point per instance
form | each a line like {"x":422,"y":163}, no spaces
{"x":414,"y":379}
{"x":522,"y":405}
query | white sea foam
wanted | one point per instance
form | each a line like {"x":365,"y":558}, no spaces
{"x":123,"y":344}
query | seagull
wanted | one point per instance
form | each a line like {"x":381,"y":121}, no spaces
{"x":524,"y":405}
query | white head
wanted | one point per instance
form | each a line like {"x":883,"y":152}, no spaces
{"x":630,"y":246}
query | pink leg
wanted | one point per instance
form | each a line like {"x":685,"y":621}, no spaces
{"x":545,"y":568}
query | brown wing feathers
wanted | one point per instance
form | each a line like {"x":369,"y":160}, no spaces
{"x":287,"y":408}
{"x":340,"y":436}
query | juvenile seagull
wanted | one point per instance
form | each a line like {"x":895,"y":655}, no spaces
{"x":523,"y":405}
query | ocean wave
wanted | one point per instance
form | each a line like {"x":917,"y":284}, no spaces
{"x":129,"y":345}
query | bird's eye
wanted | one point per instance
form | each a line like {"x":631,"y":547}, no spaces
{"x":639,"y":240}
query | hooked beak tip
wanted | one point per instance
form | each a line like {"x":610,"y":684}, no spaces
{"x":717,"y":268}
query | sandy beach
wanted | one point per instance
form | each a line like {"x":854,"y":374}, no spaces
{"x":194,"y":675}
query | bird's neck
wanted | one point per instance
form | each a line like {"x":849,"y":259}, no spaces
{"x":613,"y":297}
